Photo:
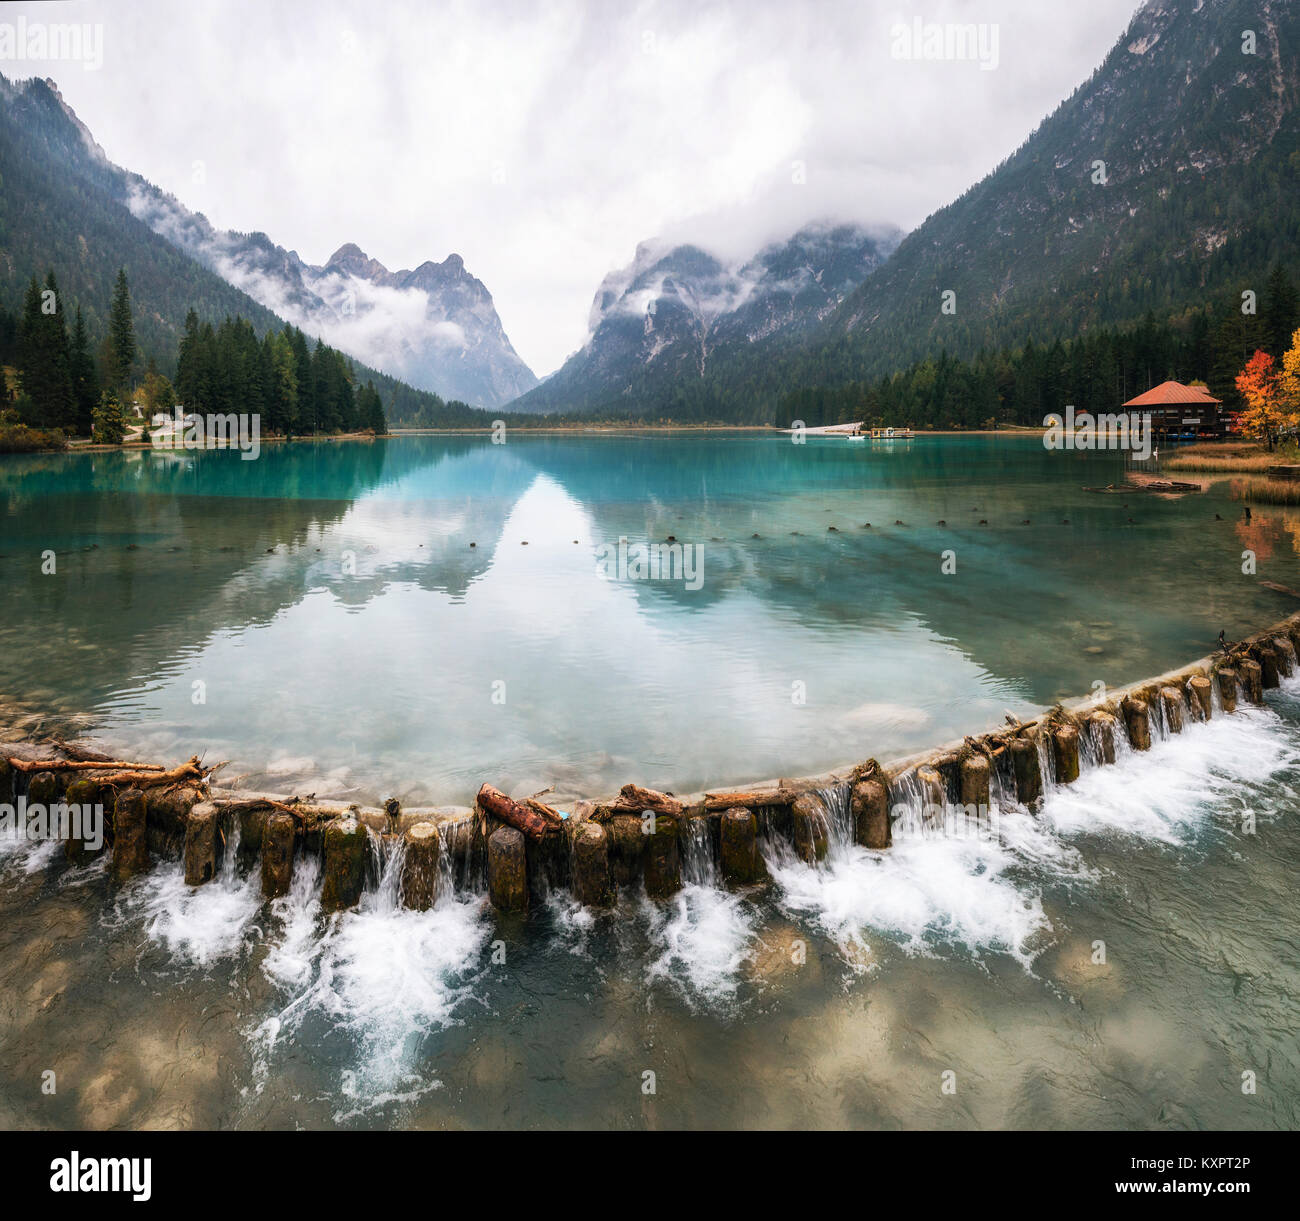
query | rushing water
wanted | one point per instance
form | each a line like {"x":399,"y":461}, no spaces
{"x":836,"y":995}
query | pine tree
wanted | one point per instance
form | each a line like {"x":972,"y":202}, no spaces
{"x":1281,"y":311}
{"x":85,"y":385}
{"x":121,"y":331}
{"x":43,"y":358}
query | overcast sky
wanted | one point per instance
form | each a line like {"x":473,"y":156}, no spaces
{"x":543,"y":141}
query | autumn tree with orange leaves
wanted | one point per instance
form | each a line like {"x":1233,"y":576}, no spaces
{"x":1266,"y":414}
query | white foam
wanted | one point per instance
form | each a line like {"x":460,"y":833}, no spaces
{"x":706,"y":935}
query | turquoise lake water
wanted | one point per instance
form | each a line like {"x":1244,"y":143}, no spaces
{"x":413,"y":617}
{"x":349,"y":636}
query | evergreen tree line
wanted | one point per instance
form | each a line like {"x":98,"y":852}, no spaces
{"x":1096,"y":372}
{"x":296,"y":388}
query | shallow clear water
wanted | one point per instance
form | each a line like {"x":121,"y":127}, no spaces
{"x":834,"y":996}
{"x":351,"y":642}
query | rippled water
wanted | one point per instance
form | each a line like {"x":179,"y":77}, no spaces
{"x":834,"y":996}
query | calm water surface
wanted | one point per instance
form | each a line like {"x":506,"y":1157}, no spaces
{"x":834,"y":996}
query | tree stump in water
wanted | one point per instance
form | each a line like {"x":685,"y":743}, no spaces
{"x":89,"y":825}
{"x":1252,"y":679}
{"x":130,"y":836}
{"x":810,"y":827}
{"x":663,"y":866}
{"x":1102,"y":727}
{"x":201,"y":844}
{"x":1286,"y":656}
{"x":1028,"y":772}
{"x":738,"y":838}
{"x":870,"y":807}
{"x":1137,"y":719}
{"x":626,"y":846}
{"x":345,"y":844}
{"x":1171,"y":700}
{"x":1266,"y":658}
{"x":1202,"y":704}
{"x":591,"y":881}
{"x":277,"y":836}
{"x":975,"y":773}
{"x":507,"y":869}
{"x":419,"y":884}
{"x":1065,"y":753}
{"x":1228,"y":680}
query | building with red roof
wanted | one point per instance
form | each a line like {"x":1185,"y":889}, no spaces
{"x":1181,"y":411}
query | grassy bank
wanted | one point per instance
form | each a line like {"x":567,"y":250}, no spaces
{"x":1266,"y":491}
{"x":1249,"y":456}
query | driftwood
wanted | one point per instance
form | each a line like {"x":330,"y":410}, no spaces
{"x":82,"y":765}
{"x":764,"y":797}
{"x":633,"y":799}
{"x":525,"y":817}
{"x":139,"y":779}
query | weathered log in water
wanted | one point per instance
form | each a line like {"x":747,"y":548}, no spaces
{"x":1065,"y":753}
{"x":276,"y":836}
{"x":419,"y":881}
{"x":1137,"y":720}
{"x":1028,"y":772}
{"x":663,"y":866}
{"x":1252,"y":679}
{"x":1171,"y":700}
{"x":346,"y":842}
{"x":869,"y":804}
{"x":1101,"y":725}
{"x":1265,"y":655}
{"x":507,"y":870}
{"x":811,"y":829}
{"x":627,"y":841}
{"x":524,"y":818}
{"x":130,"y":836}
{"x":90,"y":823}
{"x":738,"y":847}
{"x":201,"y":843}
{"x":974,"y":784}
{"x":1228,"y":685}
{"x":592,"y":886}
{"x":1200,"y":690}
{"x":1286,"y":655}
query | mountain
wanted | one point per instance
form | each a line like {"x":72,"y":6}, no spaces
{"x":1167,"y":176}
{"x":64,"y":205}
{"x":435,"y":327}
{"x":662,"y":322}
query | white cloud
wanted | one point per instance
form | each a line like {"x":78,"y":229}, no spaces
{"x":542,"y":141}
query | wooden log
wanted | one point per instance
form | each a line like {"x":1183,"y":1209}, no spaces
{"x":87,"y":829}
{"x":42,"y":789}
{"x":147,"y":779}
{"x":1201,"y":702}
{"x":934,"y":796}
{"x":663,"y":866}
{"x":345,"y":844}
{"x":130,"y":836}
{"x":738,"y":847}
{"x":1266,"y":657}
{"x":627,"y":841}
{"x":975,"y":782}
{"x":591,"y":881}
{"x":419,"y":883}
{"x":1065,"y":753}
{"x":811,"y":828}
{"x":633,"y":799}
{"x":201,"y":844}
{"x":1028,"y":772}
{"x":1252,"y":679}
{"x":1228,"y":681}
{"x":514,"y":813}
{"x":1137,"y":720}
{"x":869,"y":803}
{"x":750,"y":800}
{"x":1101,"y":725}
{"x":1171,"y":700}
{"x":1286,"y":656}
{"x":276,"y":837}
{"x":507,"y":870}
{"x":81,"y":765}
